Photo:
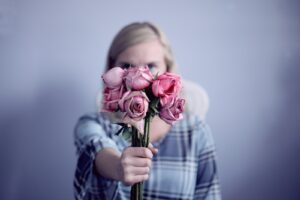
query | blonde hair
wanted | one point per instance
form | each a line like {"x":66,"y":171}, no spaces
{"x":136,"y":33}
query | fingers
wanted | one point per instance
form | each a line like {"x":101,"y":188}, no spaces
{"x":130,"y":180}
{"x":137,"y":162}
{"x":136,"y":171}
{"x":132,"y":174}
{"x":139,"y":152}
{"x":152,"y":149}
{"x":142,"y":151}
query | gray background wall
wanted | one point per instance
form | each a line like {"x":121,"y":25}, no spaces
{"x":245,"y":53}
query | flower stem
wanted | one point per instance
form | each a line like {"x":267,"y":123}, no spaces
{"x":147,"y":124}
{"x":136,"y":192}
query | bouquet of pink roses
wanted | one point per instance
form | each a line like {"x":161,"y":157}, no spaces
{"x":139,"y":96}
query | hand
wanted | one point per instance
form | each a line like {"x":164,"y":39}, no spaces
{"x":135,"y":163}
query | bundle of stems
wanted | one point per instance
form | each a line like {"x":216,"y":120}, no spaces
{"x":139,"y":140}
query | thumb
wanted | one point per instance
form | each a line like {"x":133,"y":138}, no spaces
{"x":152,"y":148}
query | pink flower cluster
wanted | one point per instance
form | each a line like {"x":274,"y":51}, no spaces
{"x":126,"y":90}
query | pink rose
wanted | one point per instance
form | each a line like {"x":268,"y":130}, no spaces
{"x":135,"y":104}
{"x":138,"y":78}
{"x":166,"y":100}
{"x":111,"y":98}
{"x":173,"y":111}
{"x":113,"y":78}
{"x":167,"y":84}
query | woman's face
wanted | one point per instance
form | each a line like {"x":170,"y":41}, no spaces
{"x":149,"y":53}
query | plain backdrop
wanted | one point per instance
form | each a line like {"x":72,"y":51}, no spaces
{"x":246,"y":54}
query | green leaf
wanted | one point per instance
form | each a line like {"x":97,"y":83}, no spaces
{"x":154,"y":109}
{"x":154,"y":106}
{"x":120,"y":130}
{"x":154,"y":102}
{"x":127,"y":133}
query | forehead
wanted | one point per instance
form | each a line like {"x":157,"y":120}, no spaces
{"x":150,"y":51}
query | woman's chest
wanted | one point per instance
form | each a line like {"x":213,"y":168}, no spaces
{"x":174,"y":170}
{"x":169,"y":179}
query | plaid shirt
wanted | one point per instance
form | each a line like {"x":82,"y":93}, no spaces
{"x":184,"y":168}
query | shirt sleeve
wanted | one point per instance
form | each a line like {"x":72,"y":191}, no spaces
{"x":90,"y":138}
{"x":207,"y":183}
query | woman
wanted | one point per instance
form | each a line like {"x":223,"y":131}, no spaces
{"x":180,"y":163}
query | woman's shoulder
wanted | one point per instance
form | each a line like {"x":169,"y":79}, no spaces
{"x":197,"y":100}
{"x":97,"y":117}
{"x":190,"y":122}
{"x":197,"y":128}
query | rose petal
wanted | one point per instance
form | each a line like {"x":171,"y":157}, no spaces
{"x":114,"y":77}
